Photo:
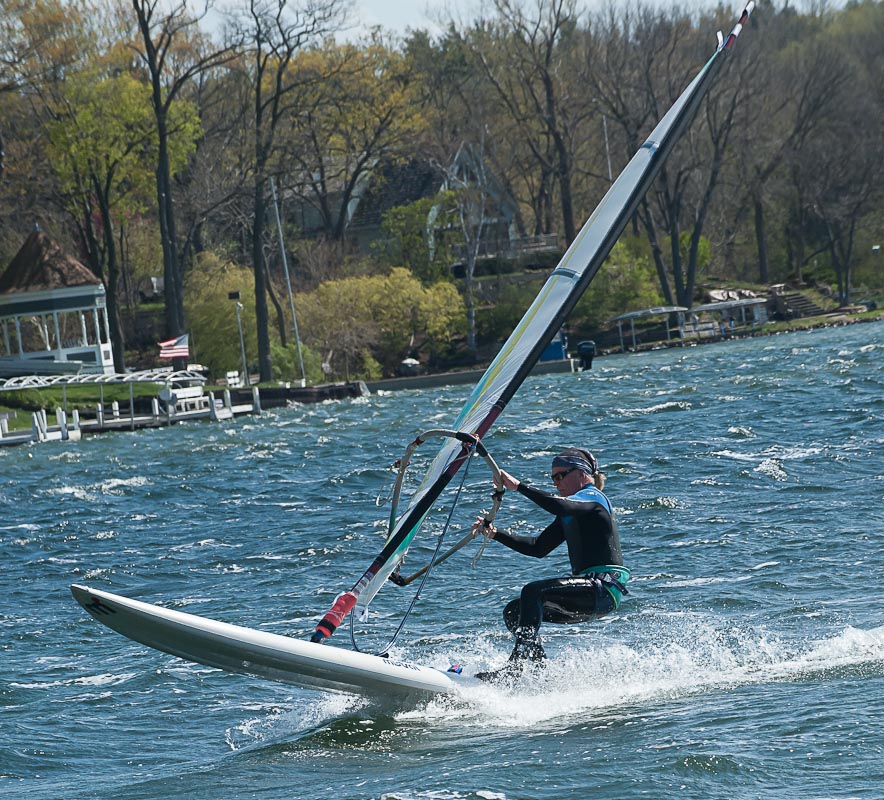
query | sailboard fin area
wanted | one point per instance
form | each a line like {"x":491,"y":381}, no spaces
{"x":266,"y":655}
{"x":547,"y":313}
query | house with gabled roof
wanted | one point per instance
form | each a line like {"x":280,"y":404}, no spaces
{"x":53,"y":315}
{"x":390,"y":185}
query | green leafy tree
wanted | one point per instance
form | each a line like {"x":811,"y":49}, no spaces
{"x":626,"y":282}
{"x":496,"y":322}
{"x":286,"y":362}
{"x":441,"y":314}
{"x":386,"y":315}
{"x":102,"y":143}
{"x":341,"y":336}
{"x":416,"y":236}
{"x":685,"y":243}
{"x":212,"y":314}
{"x":405,"y":310}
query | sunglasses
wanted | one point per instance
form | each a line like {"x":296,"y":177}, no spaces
{"x":559,"y":476}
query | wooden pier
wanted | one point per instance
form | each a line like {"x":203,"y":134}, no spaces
{"x":189,"y":406}
{"x":173,"y":404}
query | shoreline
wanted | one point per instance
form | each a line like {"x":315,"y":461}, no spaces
{"x":270,"y":397}
{"x":438,"y":379}
{"x":836,"y":320}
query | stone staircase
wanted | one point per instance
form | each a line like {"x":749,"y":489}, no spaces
{"x":793,"y":305}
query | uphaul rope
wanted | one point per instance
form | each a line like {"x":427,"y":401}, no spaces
{"x":344,"y":603}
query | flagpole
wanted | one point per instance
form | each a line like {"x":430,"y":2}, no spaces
{"x":288,"y":283}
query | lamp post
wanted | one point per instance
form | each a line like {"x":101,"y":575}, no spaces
{"x":242,"y":342}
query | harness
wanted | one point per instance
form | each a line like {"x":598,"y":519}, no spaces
{"x":613,"y":578}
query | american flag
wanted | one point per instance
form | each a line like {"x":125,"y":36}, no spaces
{"x":175,"y":348}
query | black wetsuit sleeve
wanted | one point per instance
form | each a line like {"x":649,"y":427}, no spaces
{"x":555,"y":504}
{"x":551,"y":537}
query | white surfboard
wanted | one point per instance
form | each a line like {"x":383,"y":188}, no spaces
{"x":266,"y":655}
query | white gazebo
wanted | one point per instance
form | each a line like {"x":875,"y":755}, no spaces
{"x":53,"y":316}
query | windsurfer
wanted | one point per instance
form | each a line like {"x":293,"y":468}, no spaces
{"x":584,"y":519}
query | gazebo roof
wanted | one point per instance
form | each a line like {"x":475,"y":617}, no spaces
{"x":41,"y":264}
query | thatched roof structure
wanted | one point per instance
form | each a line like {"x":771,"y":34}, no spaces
{"x":41,"y":264}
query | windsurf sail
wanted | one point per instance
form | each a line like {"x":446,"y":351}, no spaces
{"x":543,"y":319}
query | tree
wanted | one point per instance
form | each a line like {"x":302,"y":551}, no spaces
{"x":387,"y":315}
{"x":97,"y":125}
{"x":796,"y":76}
{"x":535,"y":66}
{"x":414,"y":236}
{"x":27,"y":29}
{"x":174,"y":52}
{"x":40,"y":44}
{"x":343,"y":338}
{"x":681,"y":196}
{"x":101,"y":141}
{"x":626,"y":281}
{"x":10,"y":58}
{"x":100,"y":133}
{"x":468,"y":177}
{"x":276,"y":32}
{"x":212,"y":315}
{"x":360,"y":111}
{"x":839,"y":172}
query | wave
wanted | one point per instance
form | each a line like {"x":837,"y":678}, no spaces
{"x":659,"y":408}
{"x":583,"y":682}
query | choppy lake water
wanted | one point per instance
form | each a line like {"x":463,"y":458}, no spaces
{"x":747,"y":662}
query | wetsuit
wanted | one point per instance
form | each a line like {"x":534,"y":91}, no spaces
{"x":598,"y":578}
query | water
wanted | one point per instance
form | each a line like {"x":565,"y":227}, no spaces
{"x":748,"y":661}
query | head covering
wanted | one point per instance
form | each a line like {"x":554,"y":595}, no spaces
{"x":576,"y":458}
